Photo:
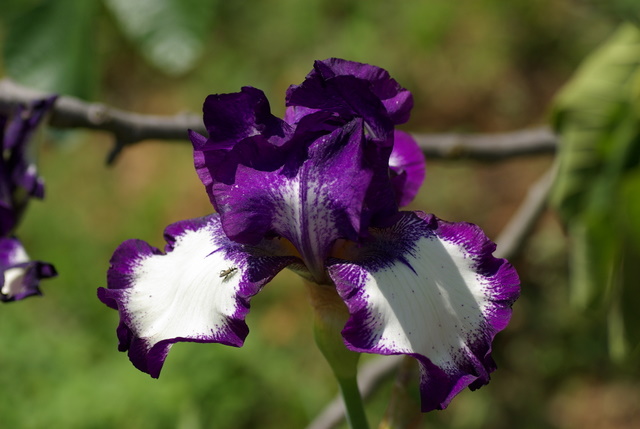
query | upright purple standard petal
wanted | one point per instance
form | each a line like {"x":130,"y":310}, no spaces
{"x":407,"y":165}
{"x":251,"y":160}
{"x":314,"y":199}
{"x":198,"y":291}
{"x":19,"y":276}
{"x":432,"y":290}
{"x":352,"y":89}
{"x":243,"y":131}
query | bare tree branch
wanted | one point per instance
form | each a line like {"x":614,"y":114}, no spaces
{"x":488,"y":147}
{"x":129,"y":128}
{"x":512,"y":237}
{"x":71,"y":112}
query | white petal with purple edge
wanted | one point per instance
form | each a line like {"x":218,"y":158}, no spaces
{"x":181,"y":294}
{"x":198,"y":291}
{"x":432,"y":290}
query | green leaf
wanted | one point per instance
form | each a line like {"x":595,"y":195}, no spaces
{"x":170,"y":34}
{"x":585,"y":113}
{"x":50,"y":46}
{"x":598,"y":121}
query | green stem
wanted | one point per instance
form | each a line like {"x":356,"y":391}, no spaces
{"x":353,"y":404}
{"x":330,"y":316}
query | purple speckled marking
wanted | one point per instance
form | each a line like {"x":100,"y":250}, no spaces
{"x":129,"y":271}
{"x":430,"y":289}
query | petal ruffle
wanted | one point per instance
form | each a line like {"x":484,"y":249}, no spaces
{"x":20,"y":276}
{"x":352,"y":89}
{"x":408,"y":167}
{"x":198,"y":291}
{"x":429,"y":289}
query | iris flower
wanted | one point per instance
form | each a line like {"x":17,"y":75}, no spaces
{"x":319,"y":192}
{"x":19,"y":182}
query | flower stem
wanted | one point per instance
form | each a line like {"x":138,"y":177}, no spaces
{"x":353,"y":404}
{"x":331,"y":315}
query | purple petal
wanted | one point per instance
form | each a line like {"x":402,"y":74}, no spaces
{"x":8,"y":215}
{"x":19,"y":178}
{"x":315,"y":198}
{"x":397,"y":100}
{"x":24,"y":121}
{"x":230,"y":118}
{"x":199,"y":291}
{"x":407,"y":165}
{"x":429,"y":289}
{"x":20,"y":276}
{"x":242,"y":130}
{"x":352,"y":89}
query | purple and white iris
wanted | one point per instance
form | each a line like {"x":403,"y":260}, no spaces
{"x":19,"y":182}
{"x":319,"y":192}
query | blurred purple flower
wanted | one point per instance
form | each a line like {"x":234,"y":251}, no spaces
{"x":19,"y":182}
{"x":319,"y":192}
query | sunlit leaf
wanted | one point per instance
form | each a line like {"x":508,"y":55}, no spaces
{"x":170,"y":34}
{"x":51,"y":46}
{"x":597,"y":118}
{"x":585,"y":113}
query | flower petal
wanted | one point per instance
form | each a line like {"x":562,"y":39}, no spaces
{"x":408,"y":167}
{"x":352,"y":89}
{"x":20,"y":276}
{"x":317,"y":91}
{"x":432,"y":290}
{"x":198,"y":291}
{"x":314,"y":199}
{"x":21,"y":172}
{"x":242,"y":130}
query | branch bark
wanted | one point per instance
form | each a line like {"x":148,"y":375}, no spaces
{"x":129,"y":128}
{"x":488,"y":147}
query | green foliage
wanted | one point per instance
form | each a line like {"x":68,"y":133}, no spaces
{"x":596,"y":116}
{"x":51,"y":46}
{"x":170,"y":34}
{"x":55,"y":45}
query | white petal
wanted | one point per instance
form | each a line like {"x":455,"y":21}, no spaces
{"x":432,"y":290}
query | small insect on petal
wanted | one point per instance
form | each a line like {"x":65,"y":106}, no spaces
{"x":228,"y":273}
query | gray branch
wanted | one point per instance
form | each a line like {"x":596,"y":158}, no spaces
{"x":488,"y":147}
{"x":129,"y":128}
{"x":513,"y":236}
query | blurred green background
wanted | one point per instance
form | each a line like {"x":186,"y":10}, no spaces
{"x":473,"y":66}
